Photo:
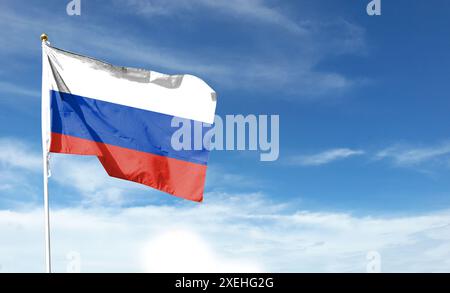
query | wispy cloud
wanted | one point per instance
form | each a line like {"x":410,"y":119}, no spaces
{"x":314,"y":41}
{"x":405,"y":155}
{"x":401,"y":155}
{"x":11,"y":88}
{"x":273,"y":66}
{"x":325,"y":157}
{"x":251,"y":10}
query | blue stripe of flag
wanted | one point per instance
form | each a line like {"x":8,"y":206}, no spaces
{"x":118,"y":125}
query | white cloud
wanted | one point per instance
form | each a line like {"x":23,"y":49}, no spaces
{"x":221,"y":178}
{"x":83,"y":173}
{"x":183,"y":251}
{"x":228,"y":232}
{"x":17,"y":162}
{"x":403,"y":155}
{"x":17,"y":154}
{"x":87,"y":176}
{"x":325,"y":157}
{"x":241,"y":232}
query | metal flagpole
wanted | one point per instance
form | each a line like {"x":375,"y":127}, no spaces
{"x":48,"y":265}
{"x":45,"y":157}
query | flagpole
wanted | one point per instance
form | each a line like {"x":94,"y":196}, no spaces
{"x":48,"y":264}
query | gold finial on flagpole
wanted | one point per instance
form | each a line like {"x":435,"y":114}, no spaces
{"x":44,"y":38}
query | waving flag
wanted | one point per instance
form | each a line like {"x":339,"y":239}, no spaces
{"x":123,"y":116}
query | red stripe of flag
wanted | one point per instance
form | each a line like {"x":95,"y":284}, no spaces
{"x":180,"y":178}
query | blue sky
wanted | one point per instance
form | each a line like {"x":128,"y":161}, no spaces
{"x":364,"y":144}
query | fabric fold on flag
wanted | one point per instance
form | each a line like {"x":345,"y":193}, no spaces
{"x":124,"y":117}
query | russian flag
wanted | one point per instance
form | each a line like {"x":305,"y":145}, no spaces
{"x":124,"y":117}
